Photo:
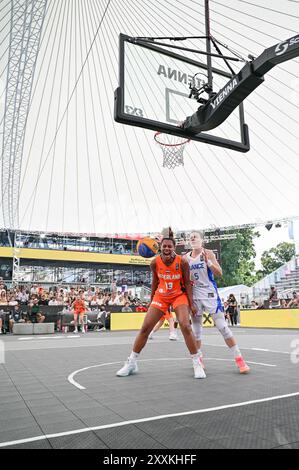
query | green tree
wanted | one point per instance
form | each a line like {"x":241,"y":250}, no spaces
{"x":276,"y":257}
{"x":237,"y":259}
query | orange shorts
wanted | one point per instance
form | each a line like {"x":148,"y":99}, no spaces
{"x":164,"y":303}
{"x":79,"y":312}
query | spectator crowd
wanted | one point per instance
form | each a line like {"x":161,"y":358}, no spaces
{"x":64,"y":296}
{"x":32,"y":298}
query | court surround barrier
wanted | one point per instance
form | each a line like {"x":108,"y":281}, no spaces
{"x":260,"y":318}
{"x":270,"y":318}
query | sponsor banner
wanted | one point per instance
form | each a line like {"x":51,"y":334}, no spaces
{"x":272,"y":318}
{"x":85,"y":257}
{"x":133,"y":321}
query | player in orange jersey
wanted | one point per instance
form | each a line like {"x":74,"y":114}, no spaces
{"x":79,"y":309}
{"x":171,"y":287}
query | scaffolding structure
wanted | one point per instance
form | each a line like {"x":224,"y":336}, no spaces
{"x":27,"y":17}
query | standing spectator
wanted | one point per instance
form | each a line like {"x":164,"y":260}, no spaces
{"x":225,"y":310}
{"x":295,"y":300}
{"x":113,"y":286}
{"x":273,"y":297}
{"x":232,"y":309}
{"x":79,"y":310}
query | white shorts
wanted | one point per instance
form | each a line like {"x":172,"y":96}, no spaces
{"x":211,"y":306}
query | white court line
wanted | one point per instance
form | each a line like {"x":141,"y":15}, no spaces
{"x":34,"y":338}
{"x":260,"y":349}
{"x":249,"y":349}
{"x":80,"y":387}
{"x":144,"y":420}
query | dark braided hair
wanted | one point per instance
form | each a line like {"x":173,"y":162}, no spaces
{"x":169,"y":237}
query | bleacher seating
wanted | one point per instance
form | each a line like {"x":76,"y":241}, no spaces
{"x":285,"y":279}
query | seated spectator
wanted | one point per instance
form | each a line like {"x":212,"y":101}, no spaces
{"x":283,"y":303}
{"x":12,"y":301}
{"x":54,"y":300}
{"x":3,"y":299}
{"x":94,"y":301}
{"x":26,"y":317}
{"x":253,"y":304}
{"x":260,"y":305}
{"x":40,"y":318}
{"x":126,"y":308}
{"x":34,"y":310}
{"x":23,"y":297}
{"x":2,"y":284}
{"x":43,"y":300}
{"x":101,"y":317}
{"x":141,"y":307}
{"x":2,"y":320}
{"x":294,"y":303}
{"x":15,"y":316}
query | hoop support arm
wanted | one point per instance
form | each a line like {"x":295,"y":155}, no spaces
{"x":222,"y":104}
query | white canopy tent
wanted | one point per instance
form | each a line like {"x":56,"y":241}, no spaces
{"x":82,"y":172}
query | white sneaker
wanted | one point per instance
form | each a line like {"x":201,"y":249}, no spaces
{"x":83,"y":330}
{"x":151,"y":336}
{"x":199,"y":373}
{"x":129,"y":368}
{"x":173,"y":337}
{"x":76,"y":330}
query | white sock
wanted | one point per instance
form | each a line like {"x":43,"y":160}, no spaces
{"x":133,"y":356}
{"x":236,"y":351}
{"x":195,"y":356}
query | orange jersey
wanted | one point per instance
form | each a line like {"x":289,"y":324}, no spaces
{"x":170,"y":277}
{"x":79,"y":306}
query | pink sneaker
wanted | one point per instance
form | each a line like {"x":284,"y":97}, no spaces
{"x":241,"y":364}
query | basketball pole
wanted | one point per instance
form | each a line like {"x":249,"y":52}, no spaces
{"x":208,"y":44}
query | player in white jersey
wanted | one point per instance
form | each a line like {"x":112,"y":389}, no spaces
{"x":203,"y":267}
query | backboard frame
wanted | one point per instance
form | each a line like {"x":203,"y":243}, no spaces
{"x":138,"y":121}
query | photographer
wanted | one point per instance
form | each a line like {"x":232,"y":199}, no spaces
{"x":232,"y":309}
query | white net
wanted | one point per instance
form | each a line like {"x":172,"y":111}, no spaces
{"x":173,"y":149}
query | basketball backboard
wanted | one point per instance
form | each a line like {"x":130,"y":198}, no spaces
{"x":154,"y":89}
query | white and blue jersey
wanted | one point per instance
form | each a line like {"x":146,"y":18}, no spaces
{"x":205,"y":291}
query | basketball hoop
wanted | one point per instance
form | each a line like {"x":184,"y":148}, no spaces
{"x":172,"y":148}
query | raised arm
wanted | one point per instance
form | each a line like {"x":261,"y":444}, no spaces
{"x":213,"y":263}
{"x":187,"y":283}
